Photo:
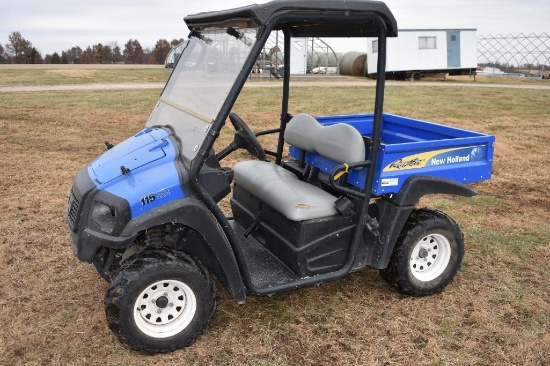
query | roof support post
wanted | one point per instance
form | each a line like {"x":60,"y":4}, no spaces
{"x":363,"y":218}
{"x":378,"y":104}
{"x":286,"y":95}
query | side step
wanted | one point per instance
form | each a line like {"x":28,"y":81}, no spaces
{"x":265,"y":270}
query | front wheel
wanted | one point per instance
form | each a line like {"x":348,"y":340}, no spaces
{"x":159,"y":301}
{"x":427,"y":255}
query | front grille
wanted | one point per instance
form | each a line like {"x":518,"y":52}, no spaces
{"x":72,"y":210}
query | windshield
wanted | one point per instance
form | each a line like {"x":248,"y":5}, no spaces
{"x":206,"y":71}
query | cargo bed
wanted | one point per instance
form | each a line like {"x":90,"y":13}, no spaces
{"x":413,"y":147}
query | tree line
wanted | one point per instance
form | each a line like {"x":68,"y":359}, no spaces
{"x":19,"y":50}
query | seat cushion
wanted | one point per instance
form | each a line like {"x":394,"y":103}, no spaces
{"x":340,"y":142}
{"x":283,"y":191}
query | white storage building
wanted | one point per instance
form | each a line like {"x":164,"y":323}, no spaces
{"x":417,"y":52}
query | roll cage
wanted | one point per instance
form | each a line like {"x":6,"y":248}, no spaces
{"x":296,"y":18}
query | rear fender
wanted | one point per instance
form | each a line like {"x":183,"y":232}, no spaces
{"x":393,"y":213}
{"x":192,"y":213}
{"x":417,"y":187}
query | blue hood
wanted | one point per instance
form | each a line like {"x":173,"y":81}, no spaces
{"x":133,"y":153}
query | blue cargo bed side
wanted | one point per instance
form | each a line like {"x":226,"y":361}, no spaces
{"x":413,"y":147}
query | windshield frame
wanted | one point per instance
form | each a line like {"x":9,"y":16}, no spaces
{"x":210,"y":64}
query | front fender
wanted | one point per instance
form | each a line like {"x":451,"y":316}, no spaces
{"x":418,"y":186}
{"x":192,"y":213}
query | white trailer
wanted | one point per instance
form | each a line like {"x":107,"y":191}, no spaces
{"x":418,"y":52}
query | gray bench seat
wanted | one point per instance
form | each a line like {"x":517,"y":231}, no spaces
{"x":283,"y":191}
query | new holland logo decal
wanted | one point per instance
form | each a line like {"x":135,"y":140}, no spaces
{"x":438,"y":158}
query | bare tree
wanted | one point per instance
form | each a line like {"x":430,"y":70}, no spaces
{"x":86,"y":56}
{"x":33,"y":56}
{"x":176,"y":41}
{"x":17,"y":47}
{"x":102,"y":53}
{"x":162,"y":47}
{"x":71,"y":55}
{"x":55,"y":58}
{"x":116,"y":55}
{"x":148,"y":56}
{"x":133,"y":52}
{"x":2,"y":57}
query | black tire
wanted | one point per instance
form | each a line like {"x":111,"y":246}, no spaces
{"x":416,"y":76}
{"x":401,"y":76}
{"x":159,"y":300}
{"x":427,"y":254}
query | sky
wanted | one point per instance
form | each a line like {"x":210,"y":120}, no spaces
{"x":57,"y":25}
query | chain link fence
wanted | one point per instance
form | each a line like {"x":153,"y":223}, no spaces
{"x":525,"y":55}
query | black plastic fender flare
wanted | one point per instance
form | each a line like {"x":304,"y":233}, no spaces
{"x":420,"y":185}
{"x":393,"y":213}
{"x":191,"y":212}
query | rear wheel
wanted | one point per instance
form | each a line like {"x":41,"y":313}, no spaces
{"x":159,"y":300}
{"x":416,"y":76}
{"x":427,"y":255}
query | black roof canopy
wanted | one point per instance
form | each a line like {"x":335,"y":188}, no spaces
{"x":319,"y":18}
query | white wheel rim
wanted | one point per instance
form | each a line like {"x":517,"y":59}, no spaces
{"x":165,"y":308}
{"x":430,"y":257}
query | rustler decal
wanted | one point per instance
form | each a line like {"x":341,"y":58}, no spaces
{"x":438,"y":158}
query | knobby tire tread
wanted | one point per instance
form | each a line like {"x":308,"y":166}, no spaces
{"x":148,"y":261}
{"x":395,"y":275}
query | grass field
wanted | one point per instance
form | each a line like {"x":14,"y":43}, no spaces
{"x":79,"y":74}
{"x":483,"y":79}
{"x":497,"y":311}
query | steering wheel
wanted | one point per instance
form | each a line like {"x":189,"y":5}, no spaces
{"x":244,"y":139}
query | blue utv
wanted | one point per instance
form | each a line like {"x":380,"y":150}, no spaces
{"x":338,"y":194}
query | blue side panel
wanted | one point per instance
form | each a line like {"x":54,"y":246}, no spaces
{"x":153,"y":179}
{"x":412,"y":147}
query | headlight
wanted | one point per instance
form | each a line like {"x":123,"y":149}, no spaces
{"x":104,"y":217}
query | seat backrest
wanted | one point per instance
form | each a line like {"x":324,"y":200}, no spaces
{"x":341,"y":142}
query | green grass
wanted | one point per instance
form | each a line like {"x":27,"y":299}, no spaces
{"x":134,"y":101}
{"x":520,"y":243}
{"x":81,"y":75}
{"x":481,"y":79}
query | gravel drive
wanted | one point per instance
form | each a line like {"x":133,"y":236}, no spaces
{"x":267,"y":84}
